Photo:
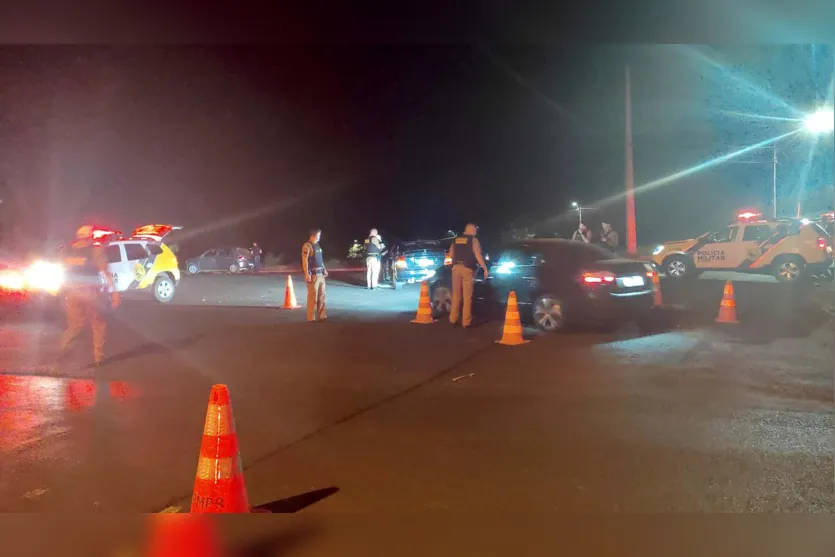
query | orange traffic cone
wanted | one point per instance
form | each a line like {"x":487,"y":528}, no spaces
{"x":219,"y":486}
{"x":656,"y":290}
{"x":512,"y":333}
{"x":424,"y":312}
{"x":290,"y":296}
{"x":182,"y":536}
{"x":727,"y":309}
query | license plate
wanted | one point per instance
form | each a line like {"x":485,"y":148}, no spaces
{"x":425,"y":262}
{"x":633,"y":281}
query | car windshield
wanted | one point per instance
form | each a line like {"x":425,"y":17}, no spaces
{"x":421,"y":244}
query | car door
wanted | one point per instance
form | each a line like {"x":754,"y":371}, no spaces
{"x":118,"y":266}
{"x":515,"y":270}
{"x":722,"y":250}
{"x":225,"y":257}
{"x":208,"y":260}
{"x":753,"y":238}
{"x":137,"y":262}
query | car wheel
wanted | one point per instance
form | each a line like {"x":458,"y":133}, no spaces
{"x":193,"y":269}
{"x":163,"y":289}
{"x":677,"y":267}
{"x":549,"y":313}
{"x":233,"y":268}
{"x":789,"y":268}
{"x":441,"y":301}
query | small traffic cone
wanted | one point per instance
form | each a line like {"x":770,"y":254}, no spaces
{"x":424,"y":312}
{"x":727,"y":309}
{"x":290,"y":296}
{"x":656,"y":290}
{"x":182,"y":536}
{"x":512,"y":333}
{"x":219,"y":486}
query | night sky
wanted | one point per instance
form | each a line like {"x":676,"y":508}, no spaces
{"x":242,"y":144}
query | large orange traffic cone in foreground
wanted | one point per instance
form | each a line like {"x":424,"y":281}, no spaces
{"x":182,"y":536}
{"x":424,"y":312}
{"x":727,"y":309}
{"x":219,"y":486}
{"x":512,"y":333}
{"x":290,"y":296}
{"x":656,"y":290}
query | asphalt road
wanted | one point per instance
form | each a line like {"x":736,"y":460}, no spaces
{"x":368,"y":412}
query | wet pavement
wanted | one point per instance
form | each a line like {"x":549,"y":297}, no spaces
{"x":369,"y":412}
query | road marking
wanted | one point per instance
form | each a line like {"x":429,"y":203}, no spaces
{"x":170,"y":510}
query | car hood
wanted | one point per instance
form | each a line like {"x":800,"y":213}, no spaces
{"x":680,"y":245}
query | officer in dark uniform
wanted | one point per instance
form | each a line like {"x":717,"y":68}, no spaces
{"x":466,"y":256}
{"x":84,"y":264}
{"x":373,"y":251}
{"x":313,"y":267}
{"x":256,"y":252}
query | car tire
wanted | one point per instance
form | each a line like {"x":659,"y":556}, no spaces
{"x":193,"y":269}
{"x":789,"y":268}
{"x":441,"y":301}
{"x":233,"y":268}
{"x":163,"y":289}
{"x":548,"y":314}
{"x":678,"y":267}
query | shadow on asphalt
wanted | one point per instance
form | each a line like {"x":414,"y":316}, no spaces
{"x":153,"y":348}
{"x":297,"y":503}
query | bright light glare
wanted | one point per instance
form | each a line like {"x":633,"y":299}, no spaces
{"x":505,"y":268}
{"x":657,"y":250}
{"x":822,"y":121}
{"x":805,"y":221}
{"x":42,"y":275}
{"x":574,"y":204}
{"x":11,"y":281}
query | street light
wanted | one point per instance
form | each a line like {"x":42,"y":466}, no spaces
{"x":579,"y":210}
{"x":820,"y":122}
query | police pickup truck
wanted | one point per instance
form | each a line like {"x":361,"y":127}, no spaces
{"x":788,"y":249}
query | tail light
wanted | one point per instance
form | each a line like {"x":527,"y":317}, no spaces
{"x":447,"y":259}
{"x":241,"y":257}
{"x":821,"y":243}
{"x":597,"y":278}
{"x":400,"y":263}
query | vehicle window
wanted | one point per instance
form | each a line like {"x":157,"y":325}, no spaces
{"x":724,"y":236}
{"x":756,"y":233}
{"x":821,"y":231}
{"x":210,"y":253}
{"x":113,"y":253}
{"x":575,"y":253}
{"x":135,"y":252}
{"x":223,"y":253}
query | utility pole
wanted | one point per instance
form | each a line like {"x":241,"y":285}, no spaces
{"x":631,"y":235}
{"x":774,"y":182}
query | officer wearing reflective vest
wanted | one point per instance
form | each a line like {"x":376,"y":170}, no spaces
{"x":84,"y":265}
{"x":373,"y":251}
{"x":465,"y":253}
{"x":313,"y":267}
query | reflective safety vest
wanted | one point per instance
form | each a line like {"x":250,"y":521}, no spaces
{"x":80,"y":266}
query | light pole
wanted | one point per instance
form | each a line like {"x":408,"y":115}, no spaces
{"x":631,"y":233}
{"x":579,"y":210}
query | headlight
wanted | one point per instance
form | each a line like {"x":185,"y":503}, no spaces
{"x":42,"y":275}
{"x":11,"y":281}
{"x":658,"y":250}
{"x":505,"y":268}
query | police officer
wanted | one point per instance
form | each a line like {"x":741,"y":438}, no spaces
{"x":256,"y":252}
{"x":313,"y":267}
{"x":466,"y":256}
{"x":373,"y":251}
{"x":608,"y":237}
{"x":84,"y":263}
{"x":582,"y":234}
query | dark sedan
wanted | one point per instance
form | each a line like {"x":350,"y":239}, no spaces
{"x":410,"y":262}
{"x":232,"y":260}
{"x":558,"y":283}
